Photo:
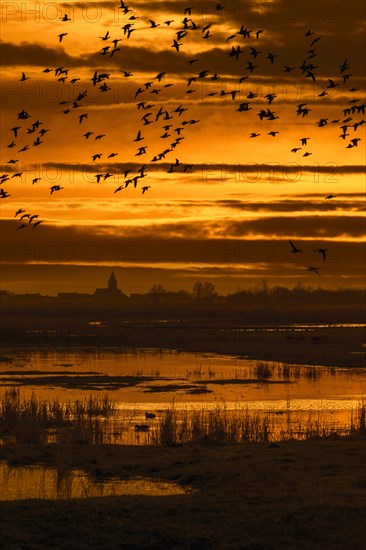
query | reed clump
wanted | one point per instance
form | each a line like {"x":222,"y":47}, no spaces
{"x":36,"y":420}
{"x":358,"y":420}
{"x":263,"y":370}
{"x":218,"y":425}
{"x":241,"y":425}
{"x":97,"y":420}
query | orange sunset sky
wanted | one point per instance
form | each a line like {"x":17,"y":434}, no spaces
{"x":220,"y":205}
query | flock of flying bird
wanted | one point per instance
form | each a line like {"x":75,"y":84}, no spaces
{"x":173,"y":124}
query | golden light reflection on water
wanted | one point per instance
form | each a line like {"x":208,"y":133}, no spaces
{"x":145,"y":379}
{"x":37,"y":482}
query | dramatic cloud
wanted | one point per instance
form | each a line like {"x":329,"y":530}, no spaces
{"x":232,"y":167}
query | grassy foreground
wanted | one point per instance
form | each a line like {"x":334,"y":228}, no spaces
{"x":302,"y":494}
{"x":244,"y":491}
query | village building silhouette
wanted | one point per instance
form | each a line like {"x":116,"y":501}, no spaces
{"x":109,"y":294}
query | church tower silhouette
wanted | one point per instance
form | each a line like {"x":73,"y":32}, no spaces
{"x":111,"y":293}
{"x":112,"y":283}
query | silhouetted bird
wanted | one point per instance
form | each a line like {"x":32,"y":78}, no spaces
{"x":55,"y":188}
{"x":295,"y":250}
{"x":141,"y":428}
{"x":315,"y":270}
{"x":323,"y":252}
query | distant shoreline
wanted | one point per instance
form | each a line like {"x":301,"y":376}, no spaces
{"x":334,"y":346}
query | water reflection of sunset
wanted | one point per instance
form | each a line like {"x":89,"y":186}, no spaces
{"x":182,"y":344}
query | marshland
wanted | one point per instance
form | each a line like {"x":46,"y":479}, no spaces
{"x":204,"y":449}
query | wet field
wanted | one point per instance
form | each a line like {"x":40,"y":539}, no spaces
{"x":198,"y":392}
{"x":144,"y":383}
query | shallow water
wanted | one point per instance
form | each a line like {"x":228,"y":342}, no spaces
{"x":150,"y":379}
{"x":38,"y":482}
{"x":292,"y":400}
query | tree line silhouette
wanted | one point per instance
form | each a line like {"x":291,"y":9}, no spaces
{"x":206,"y":293}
